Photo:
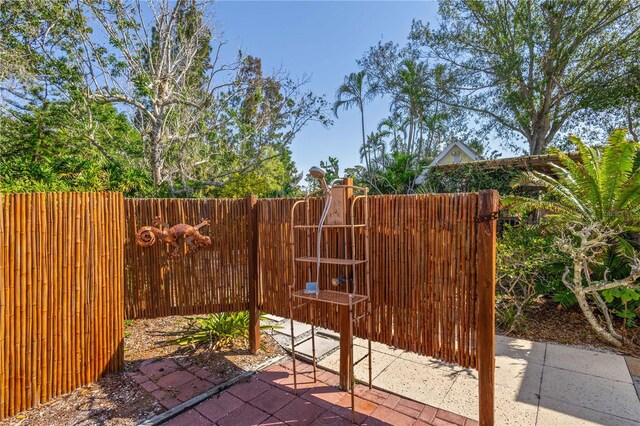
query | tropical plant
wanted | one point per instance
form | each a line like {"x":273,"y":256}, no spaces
{"x":468,"y":177}
{"x":218,"y":330}
{"x":527,"y":266}
{"x":353,"y":93}
{"x":593,"y":205}
{"x":586,"y":244}
{"x":603,"y":186}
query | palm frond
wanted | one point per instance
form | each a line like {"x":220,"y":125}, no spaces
{"x":617,"y":164}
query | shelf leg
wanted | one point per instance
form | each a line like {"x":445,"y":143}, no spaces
{"x":369,"y":332}
{"x":351,"y":374}
{"x":313,"y":342}
{"x":293,"y":350}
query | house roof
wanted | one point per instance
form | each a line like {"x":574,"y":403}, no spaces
{"x":462,"y":146}
{"x":541,"y":163}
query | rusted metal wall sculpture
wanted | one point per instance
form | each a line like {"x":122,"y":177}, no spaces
{"x":147,"y":236}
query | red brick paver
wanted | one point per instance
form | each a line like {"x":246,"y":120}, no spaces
{"x":273,"y":400}
{"x":246,"y":391}
{"x":189,"y":418}
{"x":245,"y":415}
{"x":269,"y":399}
{"x":219,"y":406}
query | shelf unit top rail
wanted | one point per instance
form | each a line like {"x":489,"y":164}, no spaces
{"x":355,"y":225}
{"x":331,"y":260}
{"x":330,"y":296}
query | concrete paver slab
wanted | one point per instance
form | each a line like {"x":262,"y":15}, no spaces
{"x":328,"y":333}
{"x":554,"y":412}
{"x":521,"y":349}
{"x":592,"y":392}
{"x":412,"y":380}
{"x":379,"y":347}
{"x":379,"y":362}
{"x":273,"y":318}
{"x":609,"y":366}
{"x":299,"y":329}
{"x":512,"y":406}
{"x":515,"y":374}
{"x":431,"y":362}
{"x":323,"y":347}
{"x":634,"y":365}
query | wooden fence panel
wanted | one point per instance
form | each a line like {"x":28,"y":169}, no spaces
{"x":214,"y":279}
{"x":423,"y":265}
{"x":61,"y":298}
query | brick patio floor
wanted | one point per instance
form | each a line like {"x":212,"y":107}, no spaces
{"x":173,"y":383}
{"x":269,"y":399}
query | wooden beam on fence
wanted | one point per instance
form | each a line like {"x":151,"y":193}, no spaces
{"x":488,"y":207}
{"x":252,"y":236}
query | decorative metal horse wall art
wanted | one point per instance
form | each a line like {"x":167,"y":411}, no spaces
{"x":147,"y":236}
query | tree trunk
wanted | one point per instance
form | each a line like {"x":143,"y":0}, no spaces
{"x":156,"y":160}
{"x":593,"y":321}
{"x":538,"y":137}
{"x":364,"y":142}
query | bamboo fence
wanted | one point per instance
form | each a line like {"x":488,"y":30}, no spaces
{"x":70,"y":272}
{"x":424,"y":262}
{"x":214,"y":279}
{"x":61,"y":288}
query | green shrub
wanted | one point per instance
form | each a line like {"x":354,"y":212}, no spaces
{"x":219,"y":330}
{"x":528,"y":265}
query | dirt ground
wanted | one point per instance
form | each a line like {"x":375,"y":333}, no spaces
{"x":118,"y":400}
{"x":546,"y":321}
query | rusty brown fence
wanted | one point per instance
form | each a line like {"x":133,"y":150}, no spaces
{"x":61,"y":294}
{"x":214,"y":279}
{"x":424,"y":263}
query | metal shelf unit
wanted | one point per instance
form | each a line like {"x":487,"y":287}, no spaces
{"x":348,"y":299}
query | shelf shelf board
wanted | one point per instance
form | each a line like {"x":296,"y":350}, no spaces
{"x":330,"y":260}
{"x":333,"y":297}
{"x":357,"y":225}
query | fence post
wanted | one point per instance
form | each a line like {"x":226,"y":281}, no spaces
{"x":486,"y":303}
{"x":3,"y":320}
{"x":252,"y":236}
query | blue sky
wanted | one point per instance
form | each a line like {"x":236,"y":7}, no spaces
{"x":322,"y":39}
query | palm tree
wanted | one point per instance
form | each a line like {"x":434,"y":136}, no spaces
{"x":354,"y":92}
{"x":597,"y":202}
{"x":411,"y":98}
{"x":394,"y":126}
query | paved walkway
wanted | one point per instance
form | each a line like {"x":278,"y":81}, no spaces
{"x":536,"y":383}
{"x":269,"y":399}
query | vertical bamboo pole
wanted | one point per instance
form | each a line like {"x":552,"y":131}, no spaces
{"x":252,"y":246}
{"x":3,"y":319}
{"x":486,"y":264}
{"x":22,"y":301}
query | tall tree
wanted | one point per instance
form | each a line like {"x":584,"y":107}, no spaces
{"x":202,"y":123}
{"x":354,"y":92}
{"x":528,"y":65}
{"x":411,"y":83}
{"x":158,"y":63}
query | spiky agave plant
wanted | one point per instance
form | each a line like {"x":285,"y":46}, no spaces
{"x":219,"y":330}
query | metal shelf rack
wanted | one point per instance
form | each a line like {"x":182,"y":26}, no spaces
{"x":355,"y":293}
